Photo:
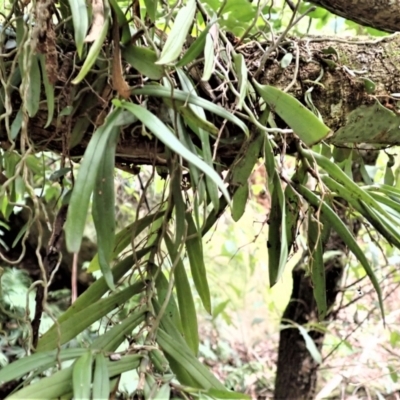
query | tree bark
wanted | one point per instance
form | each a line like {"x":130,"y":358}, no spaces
{"x":379,"y":14}
{"x":339,"y":92}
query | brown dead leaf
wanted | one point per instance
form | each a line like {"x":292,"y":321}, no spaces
{"x":119,"y":83}
{"x":98,"y":21}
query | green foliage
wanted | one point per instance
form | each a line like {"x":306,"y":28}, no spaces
{"x":142,"y":312}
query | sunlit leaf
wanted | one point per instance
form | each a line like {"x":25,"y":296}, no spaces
{"x":177,"y":37}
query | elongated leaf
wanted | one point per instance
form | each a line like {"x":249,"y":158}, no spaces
{"x":182,"y":355}
{"x":171,"y":311}
{"x":103,"y":208}
{"x":177,"y":37}
{"x":49,"y":90}
{"x":84,"y":184}
{"x":124,"y":237}
{"x":194,"y":250}
{"x":330,"y":217}
{"x":185,"y":299}
{"x":208,"y":58}
{"x":241,"y":71}
{"x":101,"y":379}
{"x":304,"y":123}
{"x":388,"y":230}
{"x":60,"y":383}
{"x":204,"y":137}
{"x":110,"y":340}
{"x":94,"y":49}
{"x":180,"y":207}
{"x":80,"y":21}
{"x":82,"y":376}
{"x":33,"y":93}
{"x":337,"y":174}
{"x":144,"y":61}
{"x":159,"y":91}
{"x":197,"y":46}
{"x":160,"y":130}
{"x":100,"y":287}
{"x":241,"y":170}
{"x":316,"y":264}
{"x":167,"y":325}
{"x":310,"y":345}
{"x":83,"y":319}
{"x":43,"y":360}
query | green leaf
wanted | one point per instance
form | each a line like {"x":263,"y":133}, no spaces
{"x":49,"y":90}
{"x":304,"y":123}
{"x":310,"y":345}
{"x":81,"y":320}
{"x":160,"y":91}
{"x":43,"y":360}
{"x":330,"y":217}
{"x":16,"y":125}
{"x":197,"y":46}
{"x":84,"y":184}
{"x":124,"y":237}
{"x":208,"y":58}
{"x":103,"y":208}
{"x":185,"y":299}
{"x":80,"y":21}
{"x":316,"y":264}
{"x":82,"y":376}
{"x":101,"y":379}
{"x":110,"y":340}
{"x":183,"y":356}
{"x":177,"y":37}
{"x":204,"y":137}
{"x":33,"y":93}
{"x":95,"y":48}
{"x":241,"y":71}
{"x":194,"y":250}
{"x":60,"y":383}
{"x":161,"y":131}
{"x":144,"y":61}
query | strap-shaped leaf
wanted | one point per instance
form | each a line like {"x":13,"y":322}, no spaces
{"x":194,"y":250}
{"x":160,"y":91}
{"x":316,"y":264}
{"x":82,"y":376}
{"x":85,"y":181}
{"x":184,"y":357}
{"x":101,"y":379}
{"x":160,"y":130}
{"x":43,"y":360}
{"x":330,"y":217}
{"x":84,"y":318}
{"x":197,"y":46}
{"x":177,"y":37}
{"x":80,"y":21}
{"x":204,"y":137}
{"x":185,"y":299}
{"x":60,"y":383}
{"x":304,"y":123}
{"x":95,"y":48}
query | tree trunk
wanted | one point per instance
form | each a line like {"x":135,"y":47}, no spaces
{"x":378,"y":14}
{"x":296,"y":376}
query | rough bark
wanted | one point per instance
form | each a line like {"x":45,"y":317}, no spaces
{"x":379,"y":14}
